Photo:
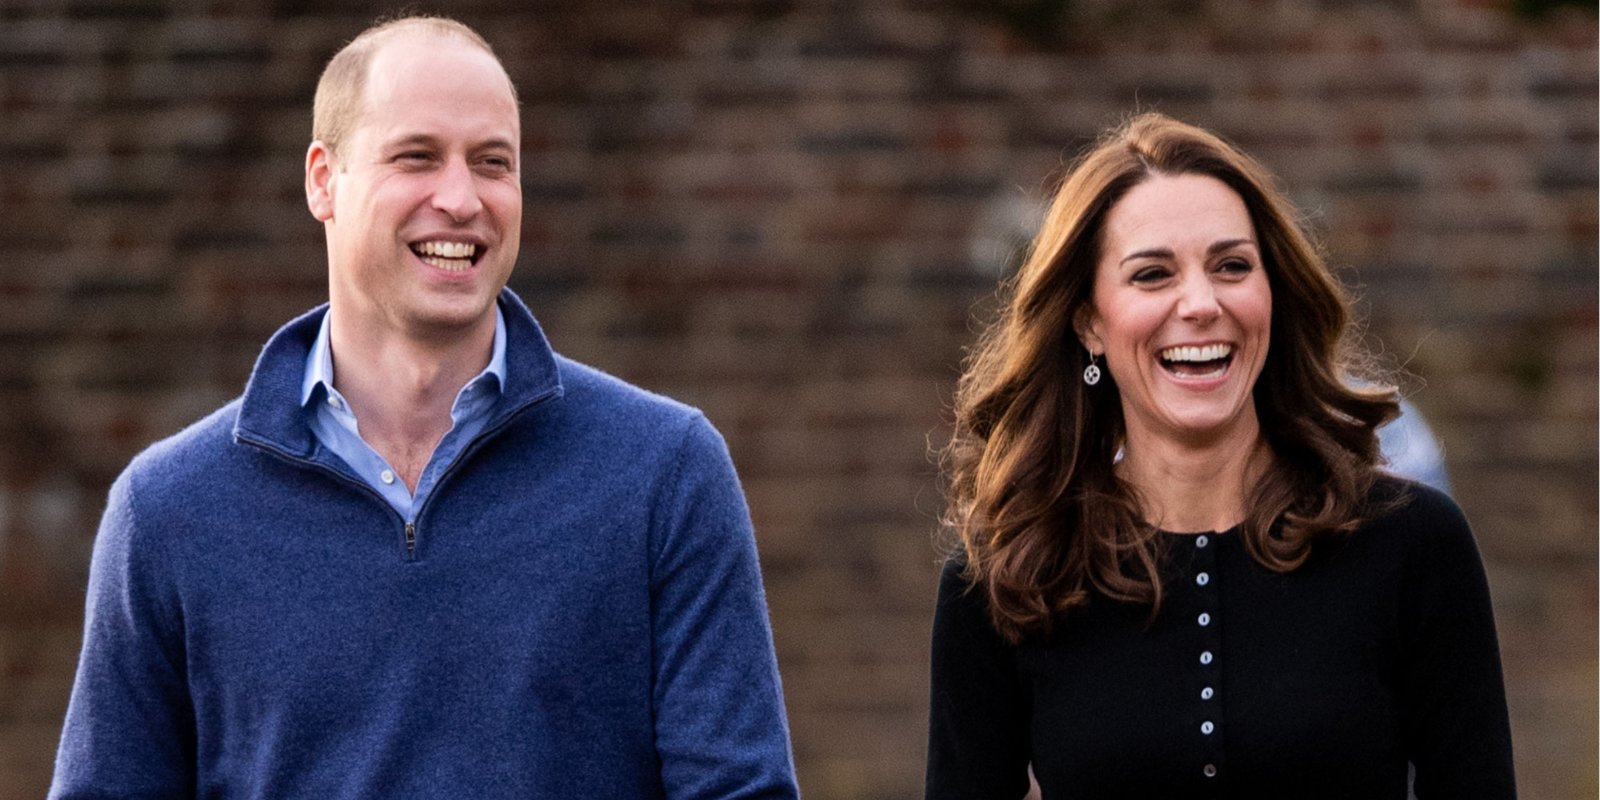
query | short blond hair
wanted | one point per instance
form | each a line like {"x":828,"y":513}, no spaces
{"x":342,"y":88}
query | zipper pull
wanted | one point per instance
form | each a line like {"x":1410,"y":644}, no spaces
{"x":411,"y":537}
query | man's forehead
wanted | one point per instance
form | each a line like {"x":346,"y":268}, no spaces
{"x":422,"y":48}
{"x":413,"y":65}
{"x":408,"y":57}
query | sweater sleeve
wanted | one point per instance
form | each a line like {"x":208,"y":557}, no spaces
{"x":1453,"y":700}
{"x":719,"y":716}
{"x":129,"y":731}
{"x":978,"y":715}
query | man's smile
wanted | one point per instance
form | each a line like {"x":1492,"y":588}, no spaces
{"x":448,"y":256}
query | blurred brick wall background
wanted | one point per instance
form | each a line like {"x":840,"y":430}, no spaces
{"x":788,"y":213}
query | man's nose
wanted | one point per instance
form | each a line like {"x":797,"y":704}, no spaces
{"x":456,"y":193}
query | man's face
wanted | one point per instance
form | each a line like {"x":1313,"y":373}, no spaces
{"x":423,"y":203}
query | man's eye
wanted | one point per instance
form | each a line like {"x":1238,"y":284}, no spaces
{"x":413,"y":156}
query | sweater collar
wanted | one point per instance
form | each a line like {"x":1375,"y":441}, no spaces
{"x":270,"y":413}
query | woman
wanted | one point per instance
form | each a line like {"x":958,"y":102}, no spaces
{"x":1181,"y":573}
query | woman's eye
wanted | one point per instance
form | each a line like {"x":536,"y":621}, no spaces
{"x":1234,"y":266}
{"x":1149,"y":275}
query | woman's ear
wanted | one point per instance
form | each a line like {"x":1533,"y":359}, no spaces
{"x":1086,"y":324}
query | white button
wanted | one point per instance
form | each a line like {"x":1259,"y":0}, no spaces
{"x":386,"y":476}
{"x":333,"y":401}
{"x":1206,"y":693}
{"x":1206,"y":727}
{"x":1205,"y":658}
{"x":1210,"y":770}
{"x":1202,"y":579}
{"x":1201,"y":540}
{"x":1205,"y":619}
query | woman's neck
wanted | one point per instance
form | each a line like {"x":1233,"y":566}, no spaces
{"x":1194,"y":487}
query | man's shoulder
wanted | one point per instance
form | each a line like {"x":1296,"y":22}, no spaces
{"x":604,"y":420}
{"x":201,"y":452}
{"x":592,"y":390}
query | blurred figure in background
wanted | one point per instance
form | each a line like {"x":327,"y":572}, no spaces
{"x":1411,"y":450}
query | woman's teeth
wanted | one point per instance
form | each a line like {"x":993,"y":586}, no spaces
{"x":1203,"y":361}
{"x":1210,"y":352}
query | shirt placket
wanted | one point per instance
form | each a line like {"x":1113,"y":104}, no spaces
{"x":1208,"y":661}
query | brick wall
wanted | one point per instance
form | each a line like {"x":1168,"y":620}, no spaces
{"x":787,"y":213}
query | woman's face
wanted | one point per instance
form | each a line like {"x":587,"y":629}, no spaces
{"x":1181,"y":310}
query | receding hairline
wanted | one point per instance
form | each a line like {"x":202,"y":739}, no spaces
{"x":342,"y":89}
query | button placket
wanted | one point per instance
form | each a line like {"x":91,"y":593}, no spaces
{"x":1208,"y":659}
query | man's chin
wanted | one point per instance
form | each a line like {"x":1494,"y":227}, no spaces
{"x":445,"y":321}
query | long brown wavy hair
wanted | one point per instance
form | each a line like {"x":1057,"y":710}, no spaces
{"x":1043,"y":519}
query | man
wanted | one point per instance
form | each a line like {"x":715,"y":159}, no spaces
{"x":423,"y":555}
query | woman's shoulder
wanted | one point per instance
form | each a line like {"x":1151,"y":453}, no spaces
{"x":1416,"y":516}
{"x":1393,"y":499}
{"x":955,"y":581}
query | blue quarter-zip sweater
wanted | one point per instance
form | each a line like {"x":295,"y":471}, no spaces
{"x":576,"y":612}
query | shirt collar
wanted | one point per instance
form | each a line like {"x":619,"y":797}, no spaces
{"x":319,"y":360}
{"x":268,"y":417}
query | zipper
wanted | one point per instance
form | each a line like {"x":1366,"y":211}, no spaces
{"x":410,"y":526}
{"x":326,"y":469}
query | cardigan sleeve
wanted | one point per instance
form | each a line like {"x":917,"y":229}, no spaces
{"x":129,"y":731}
{"x":1453,"y":703}
{"x":978,"y":714}
{"x":719,"y":716}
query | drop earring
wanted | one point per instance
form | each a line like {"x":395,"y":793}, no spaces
{"x":1091,"y":373}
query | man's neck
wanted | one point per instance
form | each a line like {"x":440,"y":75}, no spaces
{"x":1195,"y":486}
{"x":401,"y":388}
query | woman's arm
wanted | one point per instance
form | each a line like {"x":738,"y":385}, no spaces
{"x":978,"y":716}
{"x":1453,"y":700}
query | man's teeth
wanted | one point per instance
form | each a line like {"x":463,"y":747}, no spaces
{"x":449,"y":256}
{"x":1210,"y":352}
{"x":447,"y":249}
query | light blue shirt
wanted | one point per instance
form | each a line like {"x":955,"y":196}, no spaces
{"x":336,"y":428}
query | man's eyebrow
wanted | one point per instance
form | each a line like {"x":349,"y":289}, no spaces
{"x":412,"y":140}
{"x":1163,"y":252}
{"x":428,"y":140}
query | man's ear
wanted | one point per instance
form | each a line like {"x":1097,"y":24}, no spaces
{"x":1086,"y":323}
{"x":319,"y":181}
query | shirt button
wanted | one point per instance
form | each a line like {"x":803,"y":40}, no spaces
{"x":1205,"y":658}
{"x":1203,"y":578}
{"x":1206,"y":727}
{"x":1206,"y":693}
{"x":333,"y":401}
{"x":1210,"y":770}
{"x":1201,"y":540}
{"x":386,"y":476}
{"x":1205,"y":619}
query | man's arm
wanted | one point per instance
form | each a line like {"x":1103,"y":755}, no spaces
{"x":720,"y":726}
{"x":129,"y":731}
